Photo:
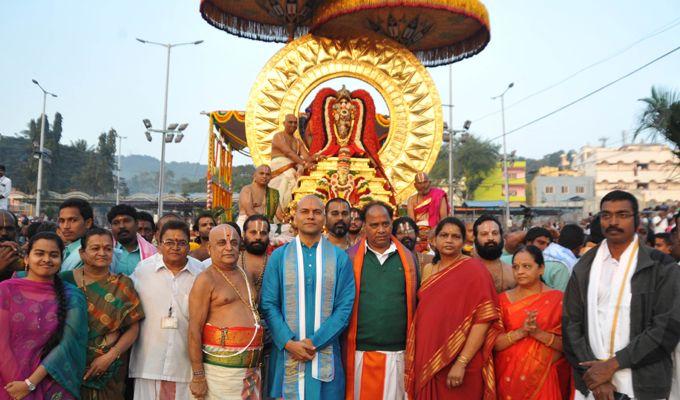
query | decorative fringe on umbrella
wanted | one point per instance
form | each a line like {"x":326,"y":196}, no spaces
{"x":452,"y":54}
{"x":248,"y":29}
{"x":475,"y":43}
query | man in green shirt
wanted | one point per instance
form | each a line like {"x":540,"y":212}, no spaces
{"x":387,"y":280}
{"x":75,"y":218}
{"x":130,"y":247}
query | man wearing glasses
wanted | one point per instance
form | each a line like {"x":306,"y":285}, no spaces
{"x":621,"y":319}
{"x":159,"y":362}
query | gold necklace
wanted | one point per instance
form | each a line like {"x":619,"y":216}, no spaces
{"x":84,"y":284}
{"x":256,"y":315}
{"x":260,"y":278}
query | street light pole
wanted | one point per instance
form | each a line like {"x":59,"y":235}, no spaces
{"x":161,"y":173}
{"x":508,"y":221}
{"x":452,"y":189}
{"x":38,"y":196}
{"x":120,"y":149}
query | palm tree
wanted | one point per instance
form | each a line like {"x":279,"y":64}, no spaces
{"x":661,"y":116}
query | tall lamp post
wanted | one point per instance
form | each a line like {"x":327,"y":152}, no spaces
{"x":508,"y":222}
{"x":161,"y":176}
{"x":450,"y":136}
{"x":42,"y":149}
{"x":120,"y":148}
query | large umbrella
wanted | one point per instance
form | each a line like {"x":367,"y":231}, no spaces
{"x":266,"y":20}
{"x":437,"y":31}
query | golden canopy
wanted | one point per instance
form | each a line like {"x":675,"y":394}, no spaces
{"x":437,"y":31}
{"x":266,"y":20}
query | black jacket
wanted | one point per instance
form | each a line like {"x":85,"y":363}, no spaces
{"x":654,"y":323}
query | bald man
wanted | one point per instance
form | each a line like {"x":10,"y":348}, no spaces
{"x":289,"y":158}
{"x":307,"y":298}
{"x":427,"y":207}
{"x":259,"y":198}
{"x":225,"y":336}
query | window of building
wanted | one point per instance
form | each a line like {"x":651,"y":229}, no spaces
{"x":643,"y":166}
{"x":549,"y":190}
{"x":580,"y":189}
{"x":643,"y":185}
{"x":565,"y":189}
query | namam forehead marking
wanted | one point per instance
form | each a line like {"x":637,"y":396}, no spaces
{"x":223,"y":231}
{"x":422,"y":177}
{"x":404,"y":227}
{"x":259,"y":225}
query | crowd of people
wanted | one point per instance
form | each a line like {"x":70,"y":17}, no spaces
{"x":357,"y":304}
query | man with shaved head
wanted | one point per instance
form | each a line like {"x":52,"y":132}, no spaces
{"x":225,"y":335}
{"x":259,"y":198}
{"x":427,"y":207}
{"x":307,"y":298}
{"x":289,"y":158}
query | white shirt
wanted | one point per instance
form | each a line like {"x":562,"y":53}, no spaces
{"x":5,"y":188}
{"x":162,"y":354}
{"x":662,"y":224}
{"x":382,"y":257}
{"x":604,"y":290}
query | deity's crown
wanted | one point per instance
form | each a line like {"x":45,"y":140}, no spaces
{"x":343,"y":94}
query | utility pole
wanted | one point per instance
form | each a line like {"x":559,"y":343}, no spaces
{"x":120,"y":148}
{"x":41,"y":154}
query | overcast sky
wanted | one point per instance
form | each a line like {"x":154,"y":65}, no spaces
{"x":85,"y":51}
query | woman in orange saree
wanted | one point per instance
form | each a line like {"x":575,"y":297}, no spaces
{"x":529,"y":360}
{"x":450,"y":343}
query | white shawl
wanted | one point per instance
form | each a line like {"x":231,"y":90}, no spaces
{"x":600,"y":332}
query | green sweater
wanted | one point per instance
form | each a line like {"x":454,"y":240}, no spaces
{"x":381,"y":323}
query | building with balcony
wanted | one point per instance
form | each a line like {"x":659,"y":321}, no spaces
{"x":650,"y":171}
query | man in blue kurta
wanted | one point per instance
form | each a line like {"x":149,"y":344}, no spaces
{"x":307,"y":298}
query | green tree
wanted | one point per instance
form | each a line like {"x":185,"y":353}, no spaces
{"x":661,"y":116}
{"x":474,"y":159}
{"x":97,"y":177}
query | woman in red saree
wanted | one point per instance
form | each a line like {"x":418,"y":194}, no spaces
{"x":529,"y":360}
{"x":448,"y":352}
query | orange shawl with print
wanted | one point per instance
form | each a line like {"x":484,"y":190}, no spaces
{"x":450,"y":302}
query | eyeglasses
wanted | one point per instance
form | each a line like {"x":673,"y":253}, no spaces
{"x":174,"y":243}
{"x":606,"y":216}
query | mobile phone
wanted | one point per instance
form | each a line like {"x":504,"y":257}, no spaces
{"x":621,"y":396}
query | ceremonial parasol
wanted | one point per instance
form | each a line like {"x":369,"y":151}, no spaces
{"x":266,"y":20}
{"x":437,"y":31}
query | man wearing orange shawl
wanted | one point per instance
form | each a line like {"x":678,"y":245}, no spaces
{"x":427,"y":208}
{"x":386,"y":282}
{"x":450,"y":303}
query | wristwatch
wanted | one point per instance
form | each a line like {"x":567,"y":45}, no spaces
{"x":31,"y":386}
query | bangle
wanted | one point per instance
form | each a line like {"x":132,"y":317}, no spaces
{"x":509,"y":337}
{"x":463,"y":360}
{"x":199,"y":373}
{"x":114,"y":349}
{"x":552,"y":339}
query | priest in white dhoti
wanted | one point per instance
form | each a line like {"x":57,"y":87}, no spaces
{"x":307,"y":298}
{"x":289,"y":158}
{"x":621,"y":319}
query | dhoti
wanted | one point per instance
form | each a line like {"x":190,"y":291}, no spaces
{"x":231,"y":360}
{"x":284,"y":179}
{"x":379,"y":375}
